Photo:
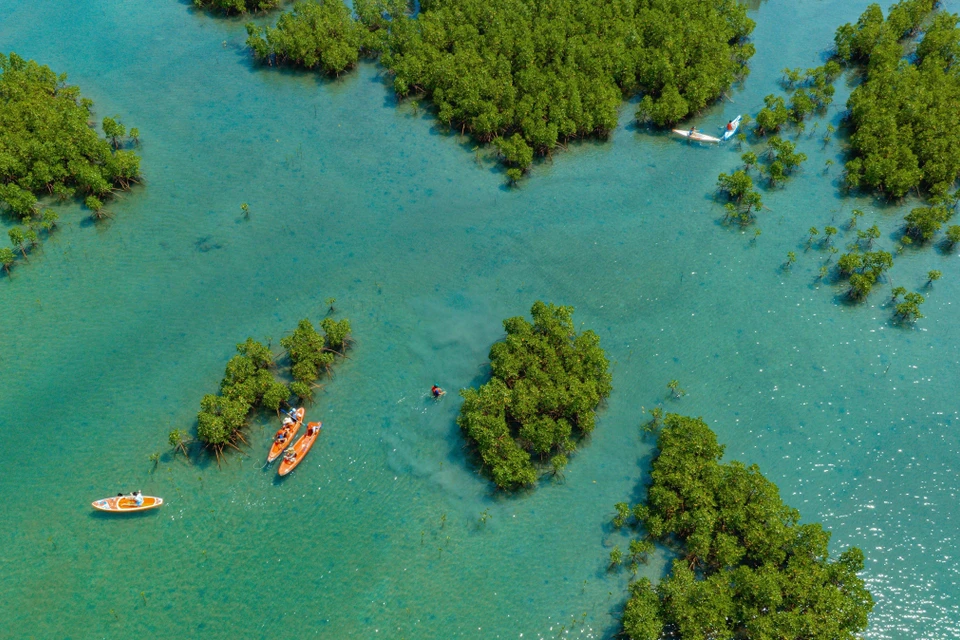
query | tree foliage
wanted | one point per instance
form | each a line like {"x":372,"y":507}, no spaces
{"x":952,"y":235}
{"x":904,"y":120}
{"x":743,"y":201}
{"x":7,"y":258}
{"x":909,"y":309}
{"x":746,"y":567}
{"x":47,"y":147}
{"x":315,"y":34}
{"x":551,"y":71}
{"x":312,"y":354}
{"x":529,"y":75}
{"x":924,"y":222}
{"x":812,"y":92}
{"x":546,"y":383}
{"x":247,"y":382}
{"x":864,"y":270}
{"x":233,"y":7}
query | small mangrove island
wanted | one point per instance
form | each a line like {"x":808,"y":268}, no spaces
{"x":546,"y":382}
{"x":249,"y":382}
{"x":745,"y":567}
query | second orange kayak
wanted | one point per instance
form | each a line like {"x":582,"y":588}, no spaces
{"x":287,"y":431}
{"x":293,"y":458}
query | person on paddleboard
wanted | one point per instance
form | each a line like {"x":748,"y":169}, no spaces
{"x":137,"y":497}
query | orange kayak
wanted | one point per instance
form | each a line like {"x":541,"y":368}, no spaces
{"x":123,"y":504}
{"x":289,"y":463}
{"x":289,"y":431}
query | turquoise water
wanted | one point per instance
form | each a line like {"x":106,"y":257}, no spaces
{"x":113,"y":332}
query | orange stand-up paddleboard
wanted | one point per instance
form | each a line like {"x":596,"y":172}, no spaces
{"x":291,"y":460}
{"x":289,"y":431}
{"x":124,"y":504}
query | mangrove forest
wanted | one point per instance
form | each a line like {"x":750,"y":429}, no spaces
{"x":905,"y":126}
{"x":528,"y":75}
{"x":49,"y":151}
{"x":546,"y":382}
{"x":247,"y":383}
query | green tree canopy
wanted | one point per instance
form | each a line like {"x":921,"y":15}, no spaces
{"x":746,"y":568}
{"x":558,"y":70}
{"x":236,"y":6}
{"x":48,"y":148}
{"x":46,"y":144}
{"x":247,"y":382}
{"x":904,"y":120}
{"x":546,"y":383}
{"x":312,"y":354}
{"x":315,"y":34}
{"x":529,"y":74}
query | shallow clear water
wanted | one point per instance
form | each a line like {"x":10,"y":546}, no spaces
{"x":110,"y":336}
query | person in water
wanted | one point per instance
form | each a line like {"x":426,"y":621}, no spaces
{"x":436,"y":391}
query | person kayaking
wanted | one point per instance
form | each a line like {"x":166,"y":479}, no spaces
{"x":730,"y":126}
{"x":693,"y":131}
{"x":436,"y":391}
{"x":290,"y":454}
{"x":312,"y":430}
